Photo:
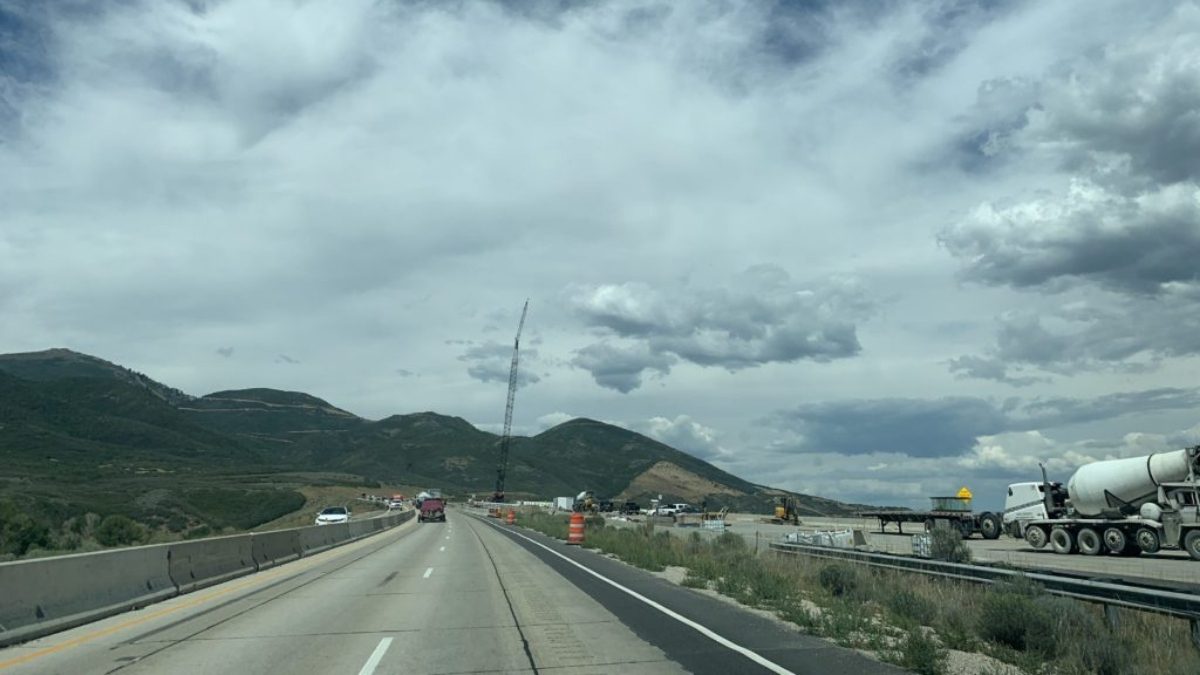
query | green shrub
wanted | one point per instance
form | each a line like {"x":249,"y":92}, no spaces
{"x":118,"y":530}
{"x":947,"y":544}
{"x":911,"y":607}
{"x":1011,"y":615}
{"x":921,"y":654}
{"x":839,"y":579}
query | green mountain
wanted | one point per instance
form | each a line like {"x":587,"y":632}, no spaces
{"x":80,"y":435}
{"x":63,"y":364}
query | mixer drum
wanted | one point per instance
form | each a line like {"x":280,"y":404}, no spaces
{"x":1118,"y":487}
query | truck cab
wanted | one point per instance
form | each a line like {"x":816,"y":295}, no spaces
{"x":1027,"y":501}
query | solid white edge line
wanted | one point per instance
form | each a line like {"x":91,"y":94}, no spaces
{"x":706,"y":632}
{"x":376,"y":656}
{"x":428,"y":572}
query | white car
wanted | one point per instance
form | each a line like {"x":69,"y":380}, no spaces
{"x":332,"y":515}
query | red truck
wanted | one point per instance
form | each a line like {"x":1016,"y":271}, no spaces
{"x":432,"y":508}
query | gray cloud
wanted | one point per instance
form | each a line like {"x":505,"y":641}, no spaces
{"x":225,"y":352}
{"x":621,"y":367}
{"x":1139,"y":244}
{"x":761,"y":317}
{"x":284,"y":358}
{"x":491,"y":361}
{"x":950,"y":426}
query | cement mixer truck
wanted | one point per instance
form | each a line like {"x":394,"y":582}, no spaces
{"x":1122,"y":507}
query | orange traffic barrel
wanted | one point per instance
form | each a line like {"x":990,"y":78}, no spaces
{"x":575,"y":531}
{"x":512,"y":517}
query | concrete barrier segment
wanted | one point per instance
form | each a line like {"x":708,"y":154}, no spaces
{"x":204,"y":562}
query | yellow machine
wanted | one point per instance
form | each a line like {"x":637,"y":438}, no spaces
{"x":786,"y":511}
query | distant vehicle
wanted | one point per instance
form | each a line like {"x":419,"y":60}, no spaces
{"x":432,"y":508}
{"x":606,"y":506}
{"x":665,"y":510}
{"x":631,"y":508}
{"x":564,"y":503}
{"x":686,"y":508}
{"x":333,"y":515}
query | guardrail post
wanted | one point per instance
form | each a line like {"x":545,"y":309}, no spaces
{"x":1112,"y":617}
{"x":1196,"y":632}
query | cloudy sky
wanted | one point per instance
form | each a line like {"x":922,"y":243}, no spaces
{"x":872,"y":254}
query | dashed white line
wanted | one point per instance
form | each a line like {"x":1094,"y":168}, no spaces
{"x":442,"y":549}
{"x":706,"y":632}
{"x":428,"y":572}
{"x":376,"y":656}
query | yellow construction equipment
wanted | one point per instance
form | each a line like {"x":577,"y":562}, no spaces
{"x":786,"y":511}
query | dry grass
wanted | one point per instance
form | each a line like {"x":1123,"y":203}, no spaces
{"x":905,"y":618}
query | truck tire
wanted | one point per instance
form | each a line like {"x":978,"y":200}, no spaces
{"x":1147,"y":540}
{"x":1115,"y":541}
{"x":1089,"y":541}
{"x":1191,"y":543}
{"x":1061,"y":541}
{"x":990,"y":525}
{"x":1035,"y":536}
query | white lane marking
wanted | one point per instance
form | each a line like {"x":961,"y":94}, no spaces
{"x":447,"y":537}
{"x":442,"y":549}
{"x":715,"y":637}
{"x":428,"y":572}
{"x":376,"y":656}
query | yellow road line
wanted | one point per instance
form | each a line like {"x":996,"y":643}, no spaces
{"x":205,"y":596}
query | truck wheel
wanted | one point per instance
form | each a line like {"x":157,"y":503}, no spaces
{"x":1035,"y":536}
{"x":1191,"y":543}
{"x":1115,"y":541}
{"x":1147,"y":540}
{"x":989,"y":525}
{"x":1061,"y":541}
{"x":1089,"y":542}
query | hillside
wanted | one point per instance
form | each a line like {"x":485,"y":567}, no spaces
{"x":80,"y":435}
{"x":63,"y":364}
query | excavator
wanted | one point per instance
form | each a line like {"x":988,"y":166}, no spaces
{"x":786,"y":511}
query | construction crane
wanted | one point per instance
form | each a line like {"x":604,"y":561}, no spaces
{"x":506,"y":437}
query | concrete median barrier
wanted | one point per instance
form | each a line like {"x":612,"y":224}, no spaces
{"x":46,"y":595}
{"x":316,"y":538}
{"x":204,"y":562}
{"x":39,"y":597}
{"x":274,"y":548}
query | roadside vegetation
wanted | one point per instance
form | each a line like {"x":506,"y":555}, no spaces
{"x":906,"y":619}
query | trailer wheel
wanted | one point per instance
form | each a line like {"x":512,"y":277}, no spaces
{"x":929,"y":524}
{"x":1061,"y":541}
{"x":1089,"y":541}
{"x":1191,"y":543}
{"x":1115,"y":541}
{"x":989,"y":525}
{"x":1147,"y":540}
{"x":1035,"y":536}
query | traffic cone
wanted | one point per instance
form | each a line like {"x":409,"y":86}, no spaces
{"x":512,"y":517}
{"x":575,"y":531}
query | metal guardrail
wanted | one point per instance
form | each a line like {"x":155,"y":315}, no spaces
{"x":1111,"y":595}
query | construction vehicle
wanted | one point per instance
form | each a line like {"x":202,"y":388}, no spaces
{"x":1124,"y":507}
{"x":585,"y":502}
{"x":506,"y":436}
{"x":786,"y":511}
{"x":953,"y":512}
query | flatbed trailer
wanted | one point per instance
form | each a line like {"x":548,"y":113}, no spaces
{"x":954,"y":512}
{"x":986,"y":524}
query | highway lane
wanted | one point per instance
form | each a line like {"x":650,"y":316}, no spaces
{"x":459,"y":597}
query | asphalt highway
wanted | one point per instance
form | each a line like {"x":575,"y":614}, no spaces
{"x":466,"y":596}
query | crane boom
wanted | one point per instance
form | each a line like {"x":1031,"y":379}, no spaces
{"x":506,"y":437}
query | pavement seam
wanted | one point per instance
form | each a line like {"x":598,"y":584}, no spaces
{"x":507,"y":599}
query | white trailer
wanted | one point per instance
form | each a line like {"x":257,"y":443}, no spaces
{"x":1123,"y":506}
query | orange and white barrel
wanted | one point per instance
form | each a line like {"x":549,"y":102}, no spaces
{"x":575,"y":530}
{"x":512,"y":517}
